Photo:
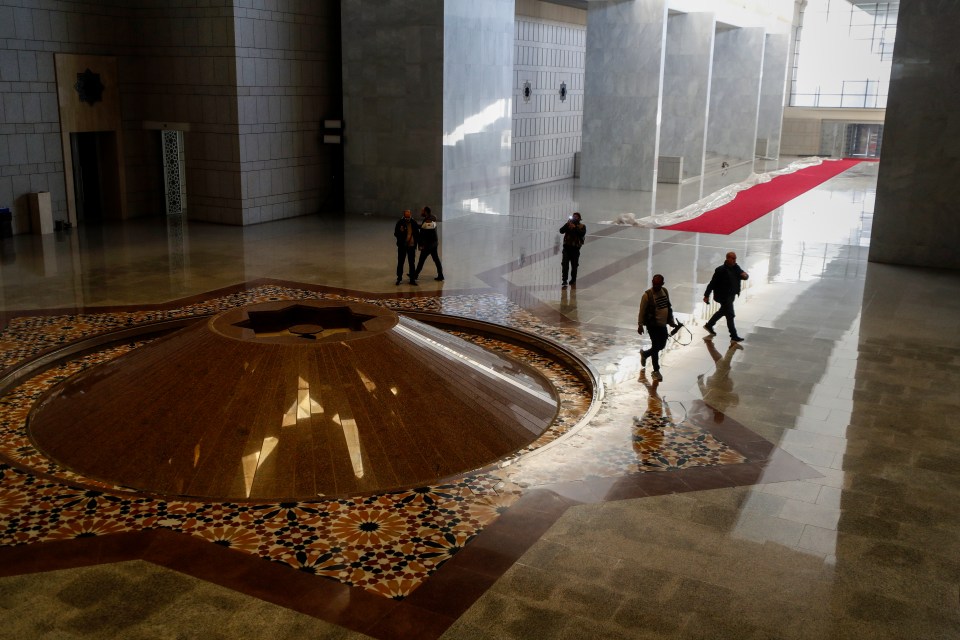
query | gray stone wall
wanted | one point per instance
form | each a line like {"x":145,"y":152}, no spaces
{"x":546,"y":128}
{"x":686,"y":89}
{"x":177,"y":67}
{"x":915,"y":216}
{"x":187,"y":64}
{"x":288,"y":77}
{"x":31,"y":157}
{"x":735,"y":93}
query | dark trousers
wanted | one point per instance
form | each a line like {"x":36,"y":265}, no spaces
{"x":408,"y":253}
{"x":725,"y":311}
{"x":431,"y":252}
{"x":570,"y":262}
{"x":658,"y":340}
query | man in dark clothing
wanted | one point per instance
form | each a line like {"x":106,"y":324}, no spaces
{"x":656,"y":313}
{"x":429,"y":242}
{"x":725,"y":285}
{"x":407,"y":233}
{"x":573,"y":232}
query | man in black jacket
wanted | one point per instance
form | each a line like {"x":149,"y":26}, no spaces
{"x":429,"y":243}
{"x":725,"y":285}
{"x":656,"y":313}
{"x":573,"y":231}
{"x":407,"y":233}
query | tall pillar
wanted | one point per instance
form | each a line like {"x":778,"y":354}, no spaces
{"x":915,"y":217}
{"x":622,"y":95}
{"x":735,"y":92}
{"x":772,"y":85}
{"x":477,"y":106}
{"x":392,"y":56}
{"x":427,"y":90}
{"x":686,"y":89}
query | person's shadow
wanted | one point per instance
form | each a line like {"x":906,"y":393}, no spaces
{"x":717,"y":388}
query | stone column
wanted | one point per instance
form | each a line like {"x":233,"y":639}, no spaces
{"x":427,"y":100}
{"x":772,"y":84}
{"x":915,"y":217}
{"x":477,"y":106}
{"x":686,"y":89}
{"x":735,"y":93}
{"x":392,"y":55}
{"x":622,"y":96}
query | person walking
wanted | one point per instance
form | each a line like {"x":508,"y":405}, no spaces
{"x":429,"y":243}
{"x":656,"y":313}
{"x":574,"y":232}
{"x":407,"y":233}
{"x":725,"y":286}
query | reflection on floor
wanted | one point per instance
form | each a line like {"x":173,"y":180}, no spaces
{"x":802,"y":486}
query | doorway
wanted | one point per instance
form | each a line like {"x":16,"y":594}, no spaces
{"x":96,"y":180}
{"x":863,"y":140}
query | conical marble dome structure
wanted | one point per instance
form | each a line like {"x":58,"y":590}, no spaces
{"x":293,"y":400}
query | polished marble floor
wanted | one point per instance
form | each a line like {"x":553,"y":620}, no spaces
{"x":804,"y":485}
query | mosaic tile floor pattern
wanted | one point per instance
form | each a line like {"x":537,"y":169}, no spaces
{"x":388,"y":544}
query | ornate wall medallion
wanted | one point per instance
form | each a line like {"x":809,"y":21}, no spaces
{"x":89,"y":87}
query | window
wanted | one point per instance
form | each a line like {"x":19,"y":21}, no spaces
{"x":843,"y":53}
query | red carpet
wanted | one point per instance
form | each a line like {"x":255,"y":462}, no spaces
{"x":761,"y":199}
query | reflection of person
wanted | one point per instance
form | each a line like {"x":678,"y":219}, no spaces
{"x":568,"y":301}
{"x":573,"y":231}
{"x":647,"y":433}
{"x":407,"y":232}
{"x":717,"y":389}
{"x":655,"y":314}
{"x":429,"y":242}
{"x":725,"y":285}
{"x":723,"y":167}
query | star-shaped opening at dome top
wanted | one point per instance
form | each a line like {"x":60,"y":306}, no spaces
{"x":303,"y":321}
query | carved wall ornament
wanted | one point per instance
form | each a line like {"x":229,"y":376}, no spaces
{"x":89,"y":87}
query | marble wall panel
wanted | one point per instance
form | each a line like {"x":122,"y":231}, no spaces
{"x":548,"y":53}
{"x":915,"y":220}
{"x":622,"y":95}
{"x":686,"y":89}
{"x":31,"y":156}
{"x":735,"y":93}
{"x":772,"y":88}
{"x":477,"y":106}
{"x":393,"y":104}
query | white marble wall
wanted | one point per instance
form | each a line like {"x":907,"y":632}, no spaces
{"x":772,"y":88}
{"x":622,"y":100}
{"x":915,"y":217}
{"x":735,"y":92}
{"x":477,"y":106}
{"x":393,"y":104}
{"x":686,"y":89}
{"x":546,"y":128}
